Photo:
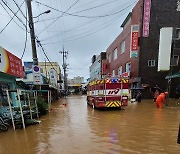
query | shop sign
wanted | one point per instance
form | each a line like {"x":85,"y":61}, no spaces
{"x":10,"y":64}
{"x":28,"y":66}
{"x":36,"y":75}
{"x":53,"y":77}
{"x":146,"y":18}
{"x":134,"y":40}
{"x":104,"y":65}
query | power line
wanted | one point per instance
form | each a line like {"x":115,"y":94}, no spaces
{"x":11,"y":18}
{"x":108,"y":23}
{"x":60,"y":16}
{"x":83,"y":25}
{"x":73,"y":14}
{"x":26,"y":36}
{"x":5,"y":3}
{"x":95,"y":7}
{"x":20,"y":9}
{"x":44,"y":21}
{"x":39,"y":43}
{"x":82,"y":16}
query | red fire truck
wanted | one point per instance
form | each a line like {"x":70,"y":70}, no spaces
{"x":108,"y":93}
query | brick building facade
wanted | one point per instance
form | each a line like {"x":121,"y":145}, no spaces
{"x":143,"y":66}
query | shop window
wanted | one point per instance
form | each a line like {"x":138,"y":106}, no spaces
{"x":151,"y":63}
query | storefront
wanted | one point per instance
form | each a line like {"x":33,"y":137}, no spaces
{"x":10,"y":69}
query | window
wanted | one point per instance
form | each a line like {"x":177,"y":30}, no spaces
{"x":120,"y":70}
{"x":128,"y":67}
{"x":151,"y":63}
{"x":178,"y":5}
{"x":115,"y":54}
{"x":109,"y":58}
{"x":113,"y":73}
{"x":175,"y":60}
{"x":122,"y":45}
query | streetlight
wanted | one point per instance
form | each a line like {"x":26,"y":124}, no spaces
{"x":46,"y":12}
{"x":32,"y":33}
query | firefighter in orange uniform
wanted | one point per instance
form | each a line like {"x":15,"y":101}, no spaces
{"x":160,"y":99}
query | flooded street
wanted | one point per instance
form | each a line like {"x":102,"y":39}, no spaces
{"x":79,"y":129}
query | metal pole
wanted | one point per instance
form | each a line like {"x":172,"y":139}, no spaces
{"x":31,"y":26}
{"x":29,"y":103}
{"x":20,"y":106}
{"x":10,"y":107}
{"x":49,"y":100}
{"x":35,"y":101}
{"x":64,"y":53}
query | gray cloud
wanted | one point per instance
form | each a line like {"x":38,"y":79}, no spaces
{"x":81,"y":37}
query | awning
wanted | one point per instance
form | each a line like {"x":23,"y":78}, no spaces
{"x":176,"y":75}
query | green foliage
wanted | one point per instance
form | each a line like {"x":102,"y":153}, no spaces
{"x":42,"y":106}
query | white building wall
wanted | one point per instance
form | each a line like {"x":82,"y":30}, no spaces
{"x":95,"y":69}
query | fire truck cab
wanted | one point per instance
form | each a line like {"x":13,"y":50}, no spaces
{"x":108,"y":93}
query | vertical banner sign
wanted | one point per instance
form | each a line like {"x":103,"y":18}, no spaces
{"x":10,"y":64}
{"x":104,"y":63}
{"x":146,"y":19}
{"x":134,"y":40}
{"x":53,"y":77}
{"x":36,"y":75}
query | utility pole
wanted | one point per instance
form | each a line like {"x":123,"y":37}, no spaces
{"x":31,"y":26}
{"x":64,"y":54}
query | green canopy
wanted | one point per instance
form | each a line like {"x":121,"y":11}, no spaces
{"x":176,"y":75}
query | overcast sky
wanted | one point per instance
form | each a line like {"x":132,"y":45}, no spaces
{"x":83,"y":27}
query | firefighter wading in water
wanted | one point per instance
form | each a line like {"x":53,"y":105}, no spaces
{"x":160,"y":99}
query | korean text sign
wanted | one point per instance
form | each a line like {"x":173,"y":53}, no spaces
{"x":10,"y":64}
{"x":146,"y":19}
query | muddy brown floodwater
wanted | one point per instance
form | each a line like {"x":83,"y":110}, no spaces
{"x":79,"y":129}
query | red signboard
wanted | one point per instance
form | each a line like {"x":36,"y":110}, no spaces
{"x":104,"y":65}
{"x":134,"y":43}
{"x":125,"y":74}
{"x":134,"y":40}
{"x":11,"y":64}
{"x":146,"y":19}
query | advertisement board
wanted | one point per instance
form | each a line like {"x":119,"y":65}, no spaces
{"x":10,"y":64}
{"x":146,"y":18}
{"x":165,"y":45}
{"x":53,"y":77}
{"x":28,"y":66}
{"x":134,"y":40}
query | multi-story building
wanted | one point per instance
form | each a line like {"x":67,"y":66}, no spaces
{"x":52,"y":71}
{"x":75,"y":84}
{"x":97,"y":68}
{"x":136,"y":48}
